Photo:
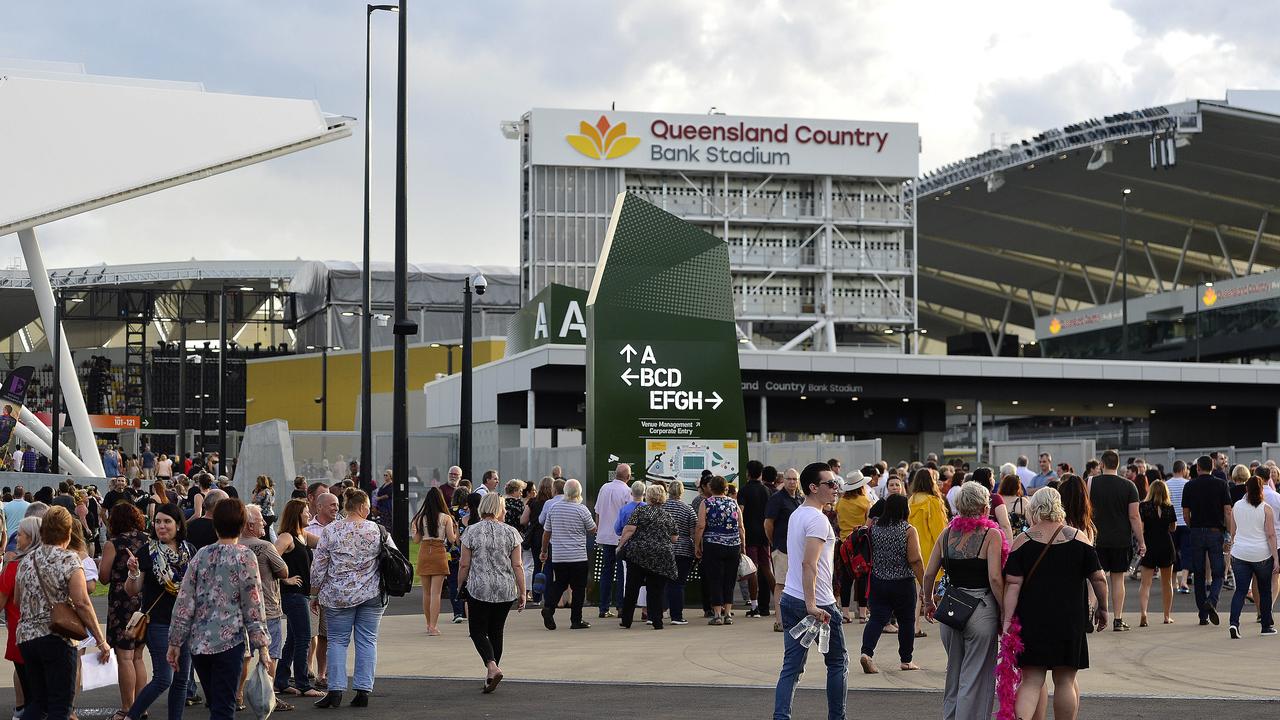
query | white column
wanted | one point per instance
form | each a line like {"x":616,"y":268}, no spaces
{"x":978,"y":410}
{"x":71,"y":395}
{"x":34,"y":439}
{"x":764,"y":419}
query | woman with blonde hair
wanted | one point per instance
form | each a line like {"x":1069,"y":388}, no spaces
{"x":928,"y":515}
{"x":264,"y":496}
{"x":434,"y":531}
{"x":1158,"y":521}
{"x":1042,"y":594}
{"x":492,"y":574}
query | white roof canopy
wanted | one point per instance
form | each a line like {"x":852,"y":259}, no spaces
{"x":75,"y":142}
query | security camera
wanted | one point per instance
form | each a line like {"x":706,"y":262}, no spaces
{"x":480,"y":284}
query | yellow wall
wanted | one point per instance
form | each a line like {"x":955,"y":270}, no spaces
{"x":286,"y":388}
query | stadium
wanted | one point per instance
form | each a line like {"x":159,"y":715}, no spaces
{"x":932,"y":312}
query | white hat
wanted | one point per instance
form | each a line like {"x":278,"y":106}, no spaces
{"x":852,"y":481}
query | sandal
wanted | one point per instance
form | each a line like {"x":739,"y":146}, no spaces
{"x":290,"y":690}
{"x":908,"y":666}
{"x":920,"y":634}
{"x":717,"y":620}
{"x":728,"y":619}
{"x":868,"y":666}
{"x":282,"y":706}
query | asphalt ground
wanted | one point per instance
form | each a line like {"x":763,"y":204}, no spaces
{"x":458,"y":699}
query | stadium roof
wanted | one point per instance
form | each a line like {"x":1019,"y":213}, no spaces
{"x":1034,"y":228}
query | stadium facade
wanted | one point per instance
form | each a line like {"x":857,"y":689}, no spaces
{"x":818,"y":214}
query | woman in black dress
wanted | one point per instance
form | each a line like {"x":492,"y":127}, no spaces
{"x":1158,"y":520}
{"x":128,"y":540}
{"x":1042,"y":588}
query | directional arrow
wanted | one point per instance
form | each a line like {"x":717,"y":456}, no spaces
{"x":627,"y":351}
{"x":715,"y":397}
{"x":628,"y":376}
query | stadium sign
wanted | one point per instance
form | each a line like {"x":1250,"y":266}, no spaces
{"x":664,"y":389}
{"x":662,"y":141}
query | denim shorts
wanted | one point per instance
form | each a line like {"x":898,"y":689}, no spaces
{"x":275,"y":628}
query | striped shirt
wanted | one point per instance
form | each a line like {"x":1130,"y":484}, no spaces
{"x":1175,"y":485}
{"x":685,"y":521}
{"x":569,"y":523}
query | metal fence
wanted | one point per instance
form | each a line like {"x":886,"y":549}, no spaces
{"x":1074,"y":452}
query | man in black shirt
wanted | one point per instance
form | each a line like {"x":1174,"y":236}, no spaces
{"x":754,"y":497}
{"x":1206,"y":506}
{"x":117,"y":493}
{"x":200,"y":531}
{"x":776,"y":514}
{"x":1115,"y":513}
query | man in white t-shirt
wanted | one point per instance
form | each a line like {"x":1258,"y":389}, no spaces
{"x":1025,"y":474}
{"x":808,"y":593}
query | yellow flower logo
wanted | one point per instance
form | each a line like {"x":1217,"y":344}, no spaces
{"x":603,"y":141}
{"x":1210,"y":297}
{"x":1055,"y":326}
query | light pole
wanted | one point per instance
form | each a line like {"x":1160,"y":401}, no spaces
{"x":464,"y":412}
{"x":366,"y":376}
{"x":57,"y":386}
{"x":1124,"y":276}
{"x":224,"y":457}
{"x":404,"y":327}
{"x":323,"y":400}
{"x":448,"y":349}
{"x":1198,"y":286}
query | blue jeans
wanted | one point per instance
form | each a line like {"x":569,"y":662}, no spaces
{"x":610,"y":566}
{"x":891,"y":598}
{"x":794,"y":655}
{"x":459,"y":607}
{"x":162,"y":676}
{"x":293,"y":661}
{"x":220,"y":675}
{"x":675,"y":589}
{"x":363,"y":620}
{"x":1207,"y":540}
{"x":1260,"y":571}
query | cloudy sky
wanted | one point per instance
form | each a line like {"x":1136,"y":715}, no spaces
{"x":966,"y":72}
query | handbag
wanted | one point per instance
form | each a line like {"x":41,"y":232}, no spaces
{"x":956,"y":606}
{"x":64,"y":621}
{"x":746,"y":566}
{"x":395,"y":574}
{"x":136,"y":628}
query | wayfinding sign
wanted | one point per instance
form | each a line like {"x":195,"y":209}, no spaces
{"x":664,"y":390}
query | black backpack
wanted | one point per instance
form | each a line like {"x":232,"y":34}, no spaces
{"x":395,"y":574}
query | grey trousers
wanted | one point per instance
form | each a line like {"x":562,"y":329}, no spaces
{"x":971,"y":662}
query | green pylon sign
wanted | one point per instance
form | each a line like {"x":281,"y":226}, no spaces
{"x":664,"y":391}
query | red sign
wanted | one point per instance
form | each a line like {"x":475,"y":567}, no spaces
{"x":100,"y":423}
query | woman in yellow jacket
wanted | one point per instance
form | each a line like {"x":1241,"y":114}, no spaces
{"x":928,"y":515}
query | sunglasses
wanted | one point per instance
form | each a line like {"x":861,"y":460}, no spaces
{"x":829,"y":483}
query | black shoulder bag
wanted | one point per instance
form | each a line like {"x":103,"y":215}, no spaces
{"x":956,"y":606}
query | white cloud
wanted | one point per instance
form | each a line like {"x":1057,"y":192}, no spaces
{"x":963,"y":71}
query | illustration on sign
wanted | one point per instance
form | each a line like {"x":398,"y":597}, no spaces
{"x":664,"y":390}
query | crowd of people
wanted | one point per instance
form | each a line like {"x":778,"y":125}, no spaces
{"x":1013,"y":567}
{"x":201,"y":581}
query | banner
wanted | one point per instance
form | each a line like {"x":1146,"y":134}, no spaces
{"x":13,"y":394}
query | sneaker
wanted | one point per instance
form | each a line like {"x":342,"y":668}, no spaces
{"x":458,"y":619}
{"x":1228,"y":584}
{"x":608,"y":614}
{"x":1234,"y":632}
{"x":1183,"y":591}
{"x":753,"y":613}
{"x":679,"y":622}
{"x":194,"y":700}
{"x":580,"y":626}
{"x":1212,"y":612}
{"x":1269,"y":630}
{"x":1120,"y":625}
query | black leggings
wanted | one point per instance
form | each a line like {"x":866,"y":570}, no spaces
{"x":486,"y":622}
{"x":720,"y":567}
{"x":656,"y":585}
{"x":20,"y":669}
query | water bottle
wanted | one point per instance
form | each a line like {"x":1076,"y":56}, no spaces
{"x":824,"y":637}
{"x":799,"y":630}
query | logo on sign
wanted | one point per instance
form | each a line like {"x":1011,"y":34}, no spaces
{"x":1210,"y":297}
{"x":1055,"y":326}
{"x":603,"y":141}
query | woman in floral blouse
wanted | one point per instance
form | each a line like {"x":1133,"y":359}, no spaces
{"x":650,"y":553}
{"x":344,"y":576}
{"x":493,"y":574}
{"x":220,"y":601}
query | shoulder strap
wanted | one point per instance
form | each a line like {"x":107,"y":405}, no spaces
{"x":946,"y":535}
{"x":40,"y":581}
{"x":1043,"y":552}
